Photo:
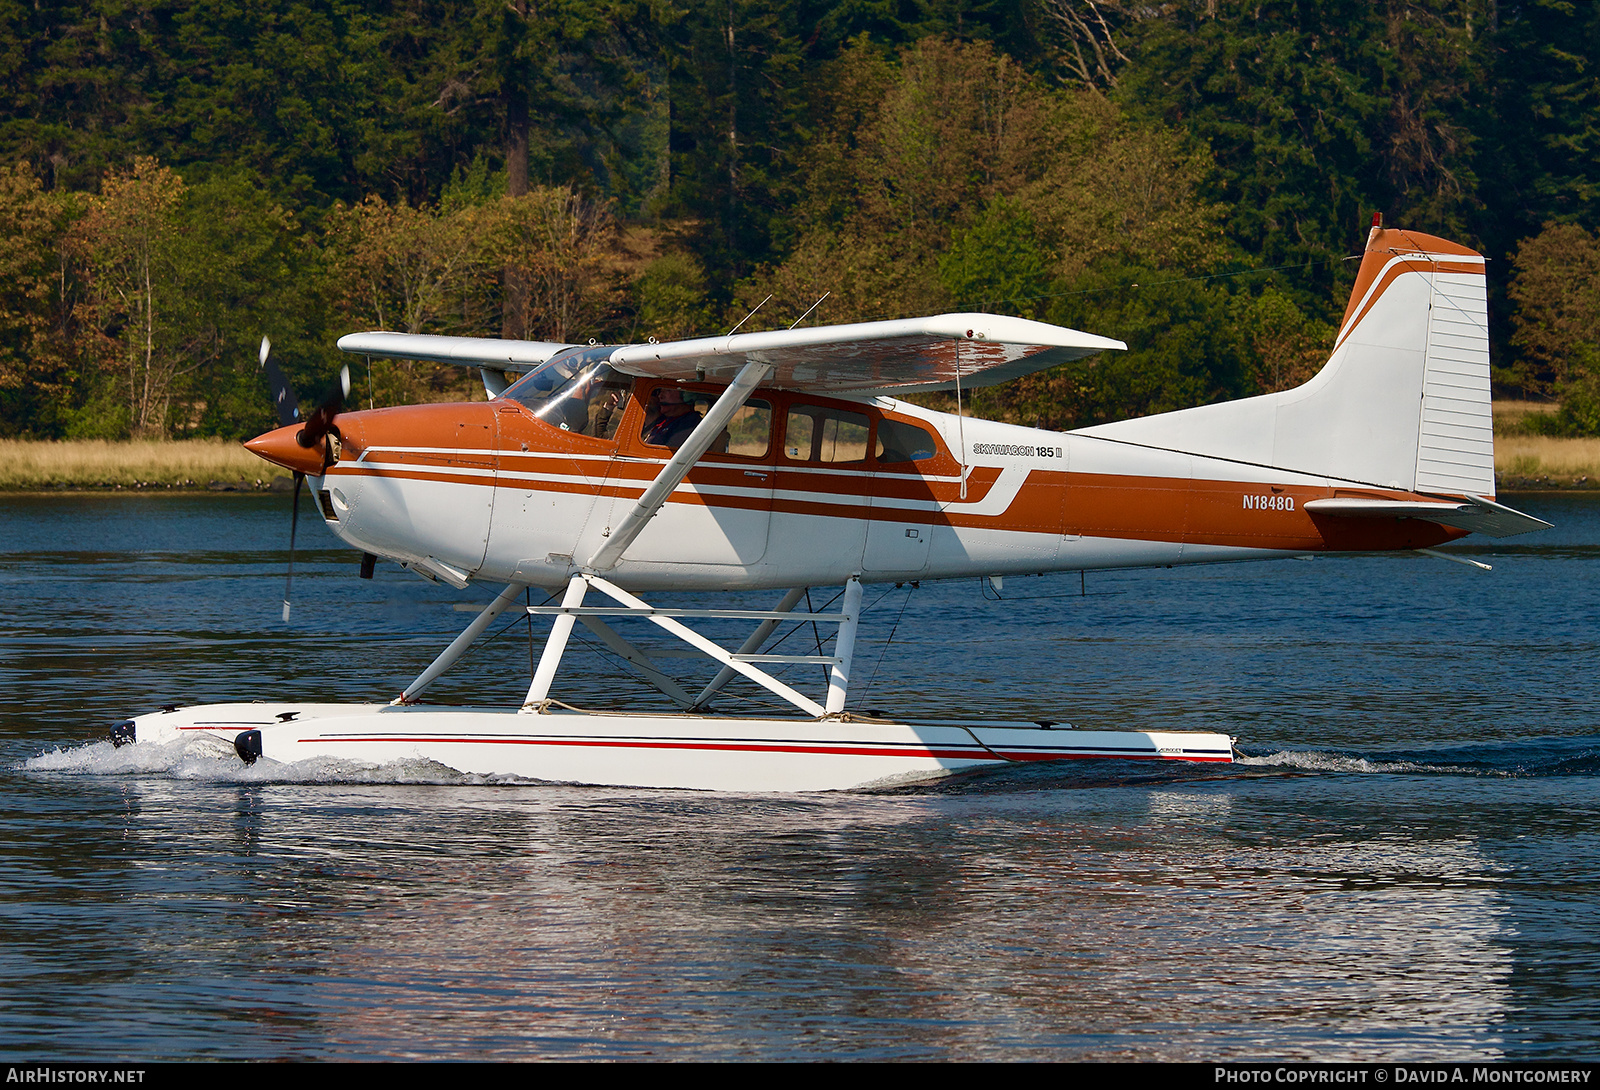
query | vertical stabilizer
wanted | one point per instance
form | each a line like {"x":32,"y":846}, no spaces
{"x":1403,"y":401}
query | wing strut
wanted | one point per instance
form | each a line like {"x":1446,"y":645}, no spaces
{"x":677,"y":468}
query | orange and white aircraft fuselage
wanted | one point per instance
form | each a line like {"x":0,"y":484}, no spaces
{"x":785,"y":460}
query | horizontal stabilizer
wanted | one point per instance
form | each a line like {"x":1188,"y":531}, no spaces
{"x":1478,"y":515}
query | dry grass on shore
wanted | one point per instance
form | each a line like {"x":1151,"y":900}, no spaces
{"x":1523,"y":461}
{"x":26,"y":465}
{"x":1526,"y":457}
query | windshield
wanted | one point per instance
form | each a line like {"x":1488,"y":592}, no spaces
{"x":576,"y":390}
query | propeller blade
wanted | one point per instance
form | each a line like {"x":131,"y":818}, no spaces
{"x":294,"y":528}
{"x":283,"y":399}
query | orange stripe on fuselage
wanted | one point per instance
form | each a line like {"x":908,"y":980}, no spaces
{"x":1134,"y":508}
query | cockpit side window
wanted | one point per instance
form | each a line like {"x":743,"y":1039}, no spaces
{"x":670,"y":415}
{"x":672,"y":412}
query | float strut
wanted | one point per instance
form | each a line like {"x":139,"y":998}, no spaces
{"x":556,"y":645}
{"x":458,"y":647}
{"x":844,"y":647}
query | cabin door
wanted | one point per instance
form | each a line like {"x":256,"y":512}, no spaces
{"x":903,"y":503}
{"x":722,"y":512}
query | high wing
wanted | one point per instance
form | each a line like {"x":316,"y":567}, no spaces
{"x":911,"y":355}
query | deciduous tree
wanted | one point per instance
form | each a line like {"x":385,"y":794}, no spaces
{"x":565,"y":248}
{"x":1556,"y":286}
{"x":128,"y":242}
{"x":36,"y":292}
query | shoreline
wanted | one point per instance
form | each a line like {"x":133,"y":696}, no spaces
{"x":191,"y":488}
{"x":100,"y":465}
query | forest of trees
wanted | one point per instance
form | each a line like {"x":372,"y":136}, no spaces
{"x":180,"y":177}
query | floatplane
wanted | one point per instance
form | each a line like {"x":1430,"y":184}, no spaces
{"x":787,"y":460}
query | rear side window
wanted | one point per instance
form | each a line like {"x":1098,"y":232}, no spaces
{"x":901,"y":442}
{"x":817,"y":434}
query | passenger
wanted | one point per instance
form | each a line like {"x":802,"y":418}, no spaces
{"x":673,"y":418}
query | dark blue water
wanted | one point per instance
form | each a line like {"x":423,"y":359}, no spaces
{"x":1407,"y":867}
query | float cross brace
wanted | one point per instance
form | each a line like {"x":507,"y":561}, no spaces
{"x":741,"y":662}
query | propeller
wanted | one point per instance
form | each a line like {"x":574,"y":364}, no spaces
{"x":314,"y":433}
{"x":288,"y":407}
{"x":320,"y":422}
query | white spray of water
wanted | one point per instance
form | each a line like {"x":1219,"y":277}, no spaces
{"x":207,"y":758}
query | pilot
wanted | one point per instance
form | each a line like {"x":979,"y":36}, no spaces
{"x":579,"y":396}
{"x":675,"y":420}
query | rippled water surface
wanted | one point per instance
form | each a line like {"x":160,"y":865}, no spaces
{"x":1406,"y":866}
